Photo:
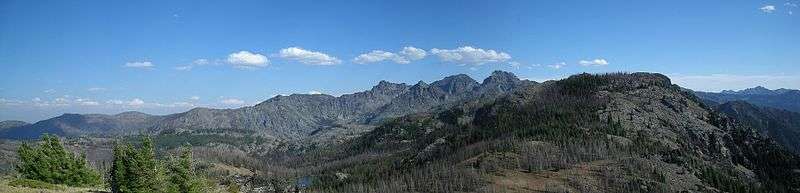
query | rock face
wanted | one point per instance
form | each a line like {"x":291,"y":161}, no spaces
{"x":290,"y":117}
{"x":88,"y":124}
{"x":787,"y":99}
{"x":781,"y":125}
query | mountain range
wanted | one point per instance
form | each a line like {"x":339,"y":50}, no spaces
{"x":586,"y":133}
{"x":618,"y":132}
{"x":781,"y":125}
{"x":787,"y":99}
{"x":292,"y":117}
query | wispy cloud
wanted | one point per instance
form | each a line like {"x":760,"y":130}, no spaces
{"x":557,"y":65}
{"x":595,"y":62}
{"x":195,"y":63}
{"x":136,"y":102}
{"x":141,"y":64}
{"x":308,"y":57}
{"x":232,"y":101}
{"x":95,"y":89}
{"x":470,"y":55}
{"x":767,"y":8}
{"x":184,"y":68}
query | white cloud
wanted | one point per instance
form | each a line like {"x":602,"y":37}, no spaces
{"x":718,"y":82}
{"x":90,"y":103}
{"x":413,"y":53}
{"x":518,"y":65}
{"x":470,"y":55}
{"x":48,"y":91}
{"x":61,"y":100}
{"x":184,"y":68}
{"x":405,"y":56}
{"x":308,"y":57}
{"x":136,"y":102}
{"x":182,"y":104}
{"x":595,"y":62}
{"x":194,"y":98}
{"x":143,"y":64}
{"x":557,"y":65}
{"x":232,"y":101}
{"x":314,"y":92}
{"x":4,"y":101}
{"x":198,"y":62}
{"x":247,"y":59}
{"x":767,"y":8}
{"x":379,"y":56}
{"x":115,"y":102}
{"x":201,"y":61}
{"x":95,"y":89}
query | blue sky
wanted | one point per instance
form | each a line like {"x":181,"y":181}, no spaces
{"x":169,"y":56}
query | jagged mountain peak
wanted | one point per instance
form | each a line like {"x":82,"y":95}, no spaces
{"x":500,"y":77}
{"x":456,"y":84}
{"x":384,"y":86}
{"x":420,"y":84}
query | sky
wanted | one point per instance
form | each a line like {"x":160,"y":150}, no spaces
{"x":164,"y":57}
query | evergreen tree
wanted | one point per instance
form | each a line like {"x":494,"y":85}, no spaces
{"x":51,"y":162}
{"x":182,"y":174}
{"x":135,"y":170}
{"x":138,"y":171}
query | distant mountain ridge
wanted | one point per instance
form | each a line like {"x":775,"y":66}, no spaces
{"x":781,"y":125}
{"x":12,"y":123}
{"x":84,"y":124}
{"x":286,"y":117}
{"x":787,"y":99}
{"x":758,"y":90}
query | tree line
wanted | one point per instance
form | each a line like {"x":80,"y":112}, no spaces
{"x":133,"y":170}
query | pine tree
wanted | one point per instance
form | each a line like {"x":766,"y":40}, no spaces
{"x":138,"y":171}
{"x":182,"y":174}
{"x":51,"y":162}
{"x":135,"y":170}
